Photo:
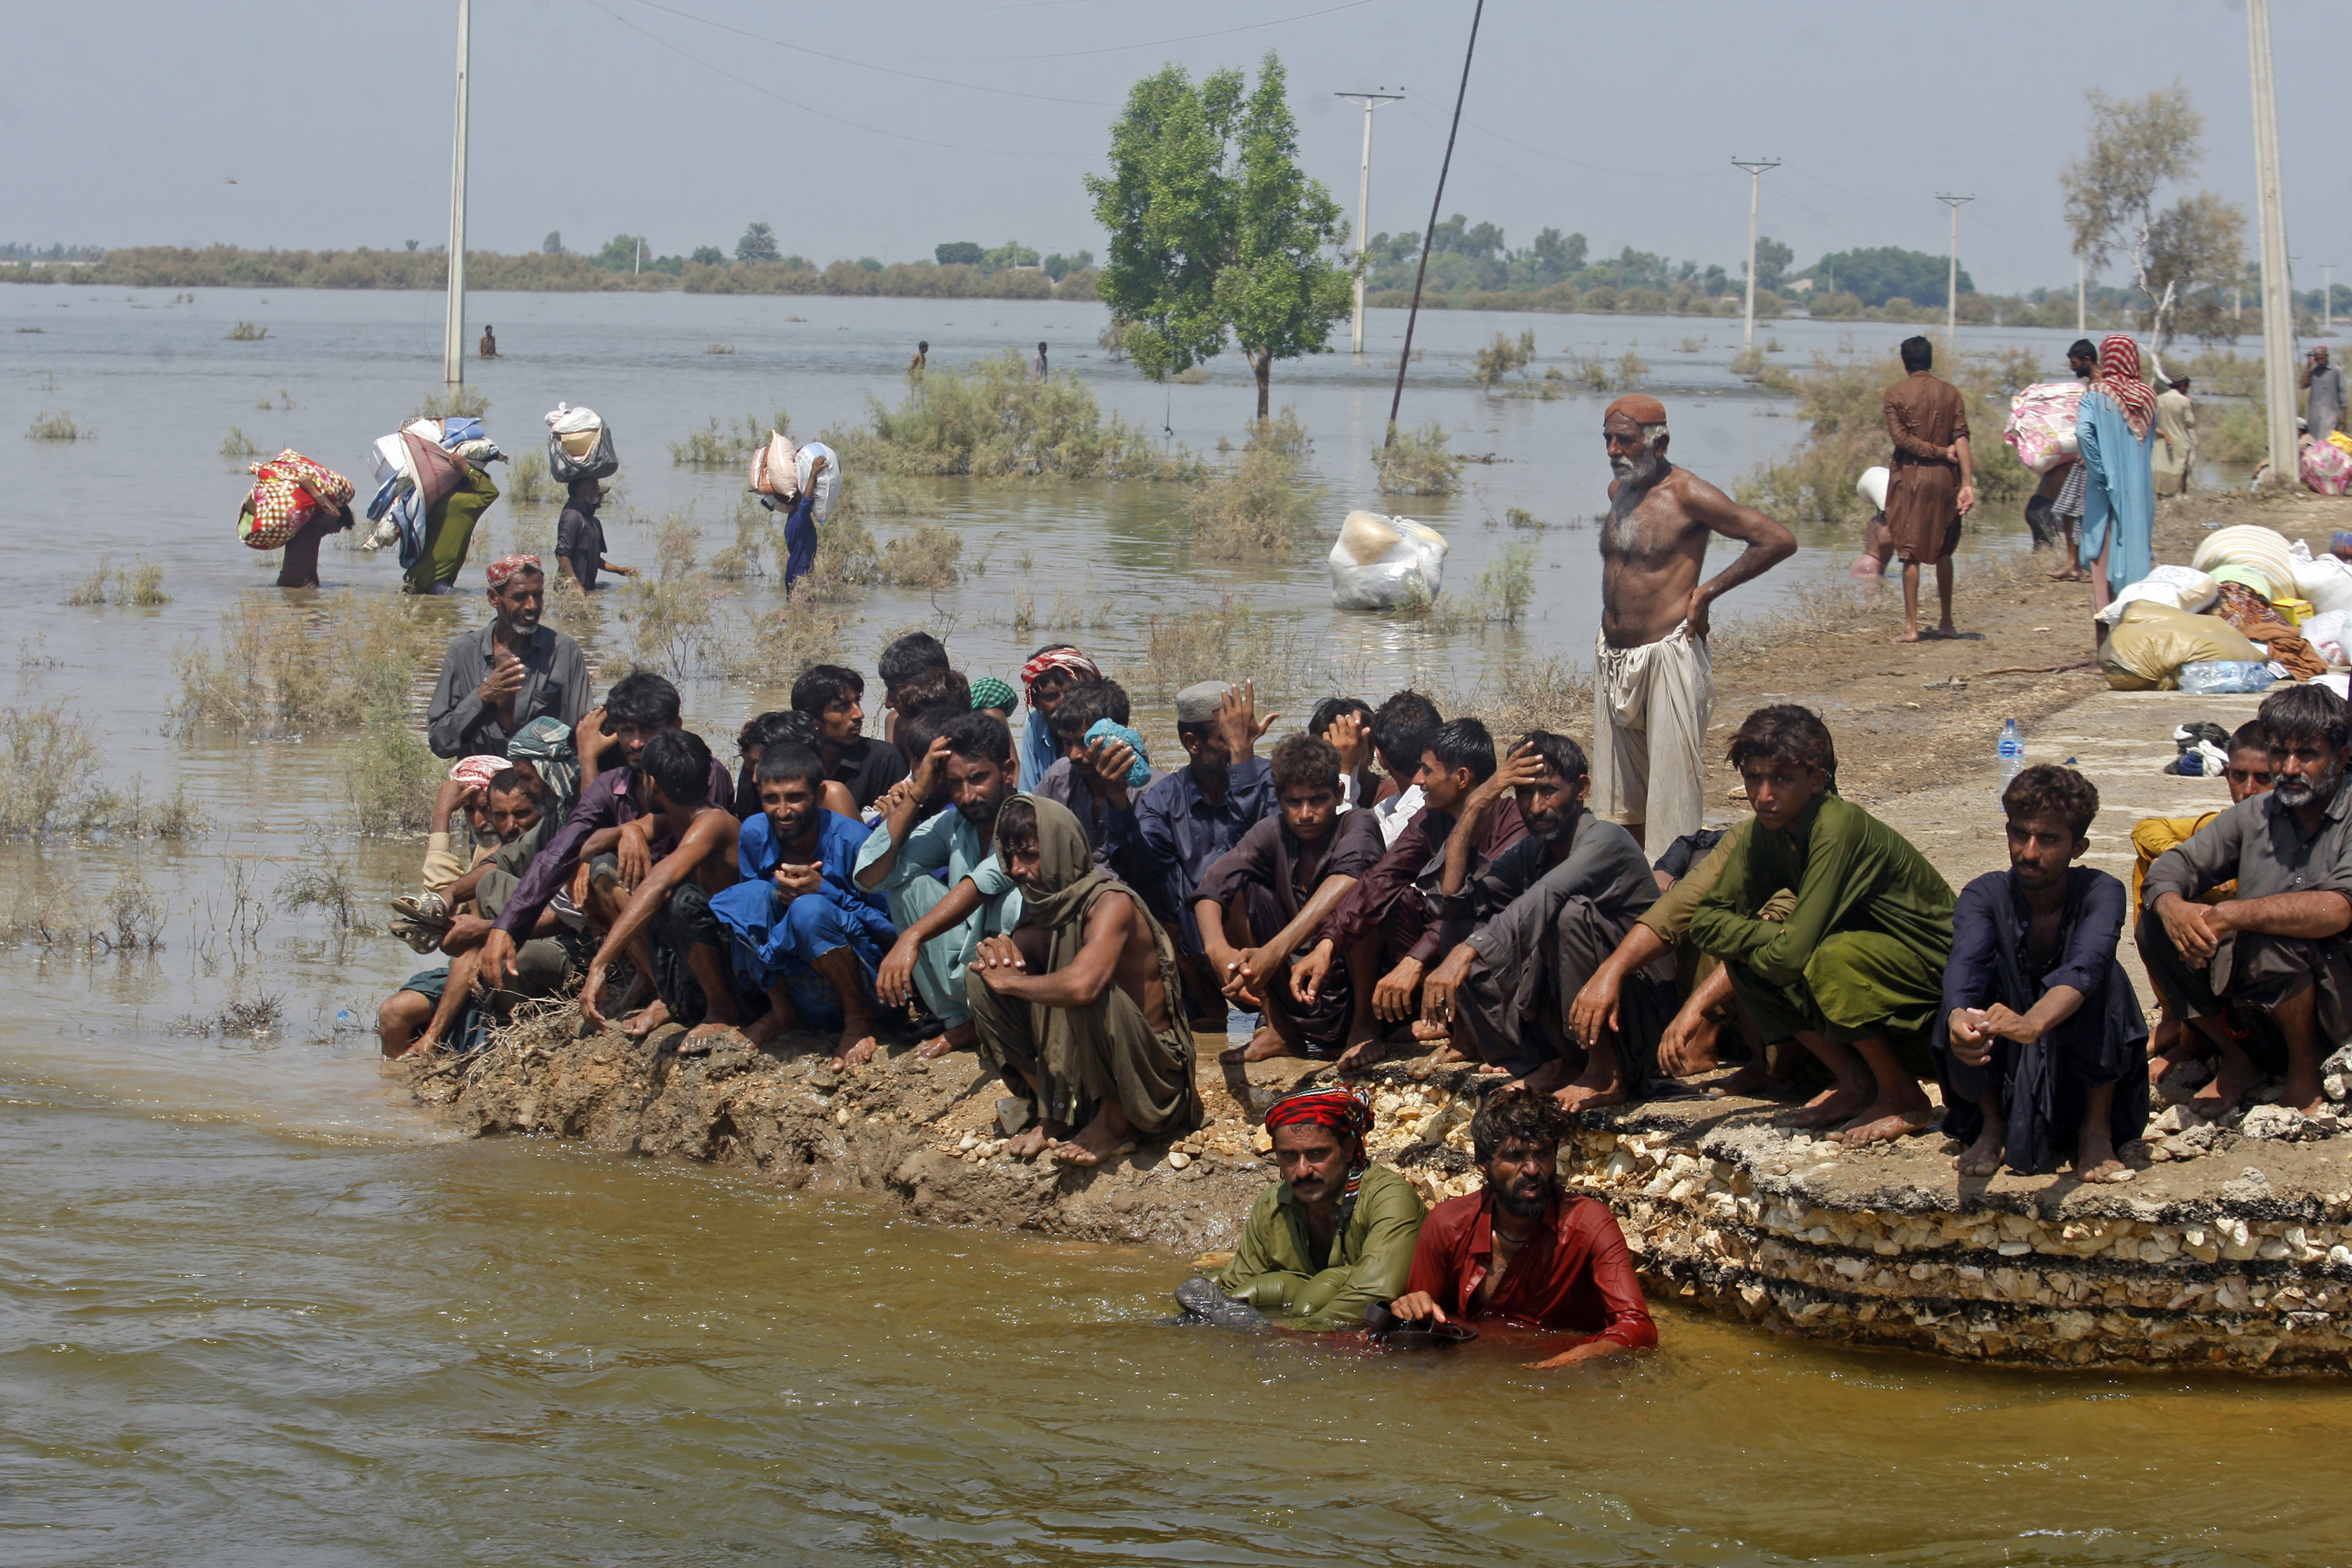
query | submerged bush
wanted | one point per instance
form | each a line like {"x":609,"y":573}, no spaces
{"x":1418,"y":462}
{"x":453,"y":403}
{"x":991,"y":421}
{"x":717,"y":445}
{"x":929,"y":556}
{"x":248,"y":333}
{"x":1259,"y":505}
{"x":59,"y":427}
{"x":237,"y":447}
{"x":140,"y":583}
{"x":351,"y":660}
{"x":392,"y":779}
{"x":1503,"y":357}
{"x":528,"y":482}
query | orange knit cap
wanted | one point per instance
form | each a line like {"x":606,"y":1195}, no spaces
{"x":1638,"y":406}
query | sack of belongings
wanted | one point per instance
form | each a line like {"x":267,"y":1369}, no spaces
{"x":2151,"y":642}
{"x":2248,"y":544}
{"x":579,"y":446}
{"x":2041,"y":427}
{"x":1380,"y":562}
{"x":2181,"y":587}
{"x":416,"y":467}
{"x":2325,"y":468}
{"x":782,"y":472}
{"x":287,"y":491}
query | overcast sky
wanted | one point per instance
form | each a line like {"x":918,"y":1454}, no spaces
{"x":128,"y":121}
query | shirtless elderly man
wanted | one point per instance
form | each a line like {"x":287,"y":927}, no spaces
{"x":1655,"y":689}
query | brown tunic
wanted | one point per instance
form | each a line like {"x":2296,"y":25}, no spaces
{"x":1923,"y":415}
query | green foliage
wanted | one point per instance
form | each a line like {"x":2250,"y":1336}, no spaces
{"x":528,"y":484}
{"x":959,"y":253}
{"x":1012,"y":253}
{"x":1417,"y":462}
{"x":248,"y":333}
{"x":717,"y":445}
{"x":237,"y":447}
{"x":391,"y":782}
{"x":1877,"y":276}
{"x":1504,"y":357}
{"x":2238,"y":439}
{"x":553,"y":244}
{"x":992,"y":421}
{"x":1259,"y":506}
{"x":2186,"y":257}
{"x":339,"y":665}
{"x":140,"y":583}
{"x":708,"y":256}
{"x":1280,"y":290}
{"x":758,"y":243}
{"x":453,"y":403}
{"x":59,"y":427}
{"x":929,"y":557}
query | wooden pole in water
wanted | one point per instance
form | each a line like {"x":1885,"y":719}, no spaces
{"x":453,"y":348}
{"x":2278,"y":280}
{"x":1413,"y":315}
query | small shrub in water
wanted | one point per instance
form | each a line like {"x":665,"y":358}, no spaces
{"x":528,"y":484}
{"x":59,"y":427}
{"x":991,"y":421}
{"x":1418,"y":462}
{"x":391,"y":780}
{"x":134,"y":916}
{"x":1259,"y":506}
{"x":929,"y":557}
{"x":1504,"y":357}
{"x":49,"y":769}
{"x":248,"y":333}
{"x":237,"y":447}
{"x":323,"y":882}
{"x":717,"y":445}
{"x":453,"y":403}
{"x":140,"y":583}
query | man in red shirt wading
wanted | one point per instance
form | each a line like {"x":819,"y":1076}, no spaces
{"x":1522,"y":1249}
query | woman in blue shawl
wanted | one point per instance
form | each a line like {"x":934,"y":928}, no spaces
{"x":2116,"y":430}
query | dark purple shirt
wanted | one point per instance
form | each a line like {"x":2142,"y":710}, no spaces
{"x":608,"y":802}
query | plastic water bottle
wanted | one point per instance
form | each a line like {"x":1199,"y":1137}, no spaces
{"x":346,"y":1020}
{"x":2012,"y":753}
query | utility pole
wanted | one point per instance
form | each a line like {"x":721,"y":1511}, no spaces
{"x":1413,"y":315}
{"x":2278,"y":280}
{"x":638,"y":266}
{"x":1755,"y":167}
{"x":2327,"y":301}
{"x":453,"y":348}
{"x":1371,"y":100}
{"x":2082,"y":318}
{"x":1952,"y":278}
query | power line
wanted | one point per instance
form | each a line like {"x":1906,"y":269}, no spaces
{"x":809,"y":109}
{"x":1156,"y":43}
{"x":866,"y":65}
{"x":1412,"y":316}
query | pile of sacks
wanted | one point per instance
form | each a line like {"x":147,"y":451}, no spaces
{"x":2250,"y":608}
{"x":416,"y":467}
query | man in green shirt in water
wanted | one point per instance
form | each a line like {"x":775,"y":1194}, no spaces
{"x":1856,"y":972}
{"x":1334,"y":1237}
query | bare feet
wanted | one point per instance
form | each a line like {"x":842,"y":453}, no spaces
{"x":963,"y":1038}
{"x":1548,"y":1079}
{"x":1909,"y":634}
{"x":1423,"y":1030}
{"x":425,"y":1046}
{"x":1884,"y":1120}
{"x":1264,"y":1044}
{"x":1751,"y":1082}
{"x":769,"y":1025}
{"x":1030,"y":1141}
{"x":1947,"y":631}
{"x":1831,"y":1108}
{"x":2236,"y":1078}
{"x":2095,"y":1158}
{"x":705,"y":1036}
{"x":637,"y":1025}
{"x":1105,"y":1139}
{"x":1363,"y":1054}
{"x":1590,"y":1097}
{"x":857,"y":1046}
{"x":1982,"y":1158}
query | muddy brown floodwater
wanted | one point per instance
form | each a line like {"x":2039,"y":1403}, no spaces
{"x":254,"y":1307}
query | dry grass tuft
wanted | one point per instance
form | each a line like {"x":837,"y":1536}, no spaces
{"x":991,"y":421}
{"x":350,"y":660}
{"x":1258,"y":506}
{"x":141,"y":584}
{"x":1419,"y":462}
{"x":59,"y":427}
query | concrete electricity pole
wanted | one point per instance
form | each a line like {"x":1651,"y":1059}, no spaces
{"x":2082,"y":318}
{"x":2327,"y":301}
{"x":2278,"y":280}
{"x":1371,"y":100}
{"x":1952,"y":278}
{"x":1755,"y":167}
{"x":452,"y":347}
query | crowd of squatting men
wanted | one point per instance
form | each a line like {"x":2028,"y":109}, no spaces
{"x":1004,"y":870}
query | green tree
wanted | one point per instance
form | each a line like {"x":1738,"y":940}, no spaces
{"x":1214,"y":227}
{"x":957,"y":253}
{"x":553,"y":244}
{"x":758,"y":243}
{"x":1281,"y":289}
{"x":1772,"y":259}
{"x":2185,"y":255}
{"x":621,"y":253}
{"x":710,"y":256}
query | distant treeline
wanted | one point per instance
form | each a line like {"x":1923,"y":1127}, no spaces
{"x":232,"y":267}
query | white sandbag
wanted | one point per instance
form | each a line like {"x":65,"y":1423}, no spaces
{"x":567,"y":420}
{"x":827,"y":484}
{"x":2327,"y":583}
{"x":1378,"y":562}
{"x":775,"y":467}
{"x":2181,"y":587}
{"x":2247,"y":544}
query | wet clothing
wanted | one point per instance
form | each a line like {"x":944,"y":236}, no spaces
{"x":555,"y":684}
{"x":1277,"y":1270}
{"x":580,"y":540}
{"x":1272,"y":876}
{"x":1863,"y":949}
{"x":778,"y":940}
{"x":1650,"y":710}
{"x":800,"y":538}
{"x":683,"y":924}
{"x":944,"y":843}
{"x":609,"y":802}
{"x":449,"y":531}
{"x":1178,"y":833}
{"x":1572,"y":1273}
{"x":298,"y":566}
{"x":1106,"y":1050}
{"x":1392,"y":897}
{"x":1923,"y":415}
{"x":1541,"y":930}
{"x":2044,"y":1087}
{"x":2260,"y":840}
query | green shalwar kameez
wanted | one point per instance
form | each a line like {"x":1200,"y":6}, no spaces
{"x":1862,"y":952}
{"x":1275,"y":1268}
{"x":449,"y":531}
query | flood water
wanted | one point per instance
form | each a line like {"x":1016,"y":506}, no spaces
{"x":254,"y":1308}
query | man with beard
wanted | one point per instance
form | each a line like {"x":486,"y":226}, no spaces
{"x":495,"y":680}
{"x":437,"y":1005}
{"x":1530,"y":926}
{"x":805,"y":931}
{"x":1184,"y":821}
{"x":1076,"y":1006}
{"x":941,"y":923}
{"x":1383,"y":924}
{"x":1523,"y":1249}
{"x":1261,"y":899}
{"x":2266,"y":976}
{"x":1855,"y":972}
{"x":1332,"y":1239}
{"x":2044,"y":1046}
{"x":1654,"y":686}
